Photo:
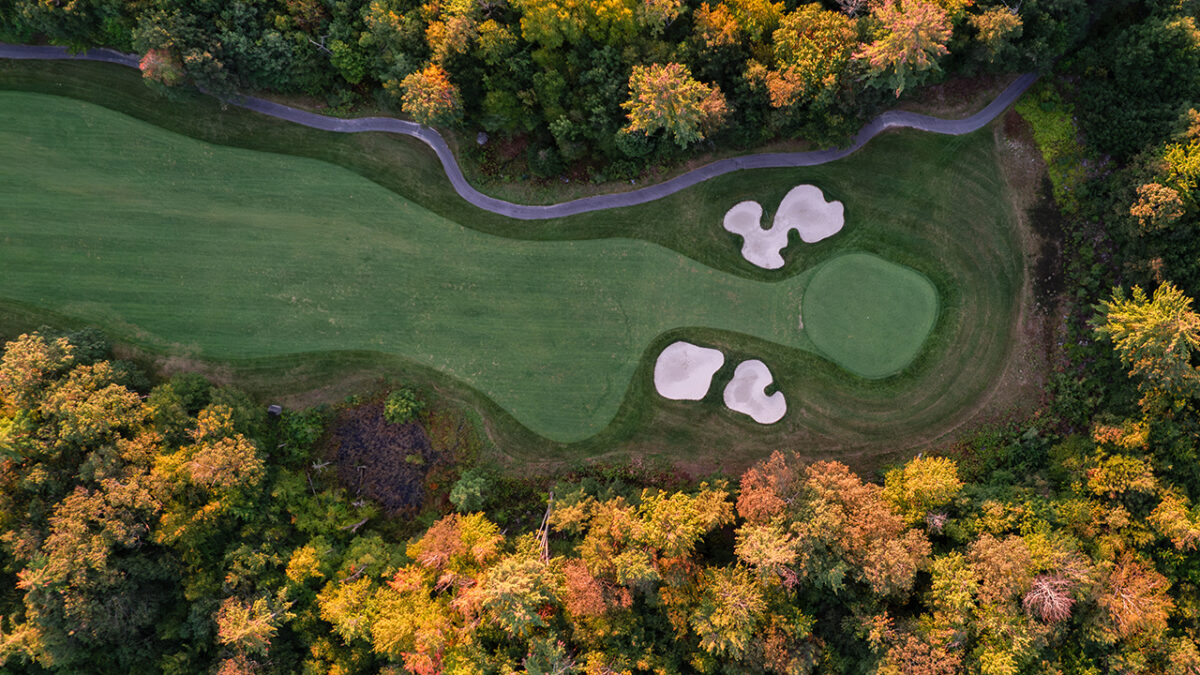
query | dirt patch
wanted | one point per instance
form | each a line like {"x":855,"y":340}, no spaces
{"x":386,"y":462}
{"x":1048,"y":281}
{"x":502,"y":158}
{"x":165,"y":366}
{"x":956,"y":97}
{"x":334,"y":390}
{"x":1032,"y":198}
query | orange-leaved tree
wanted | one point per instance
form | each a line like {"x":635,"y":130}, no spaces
{"x":910,"y":37}
{"x":665,"y":97}
{"x":430,"y":97}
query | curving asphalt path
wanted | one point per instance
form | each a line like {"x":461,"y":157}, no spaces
{"x":770,"y":160}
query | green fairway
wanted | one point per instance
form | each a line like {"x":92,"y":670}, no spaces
{"x":204,"y":264}
{"x":229,"y":253}
{"x":868,"y":315}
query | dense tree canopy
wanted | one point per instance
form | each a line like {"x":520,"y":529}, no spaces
{"x":555,"y":72}
{"x":133,"y":547}
{"x":1155,"y":336}
{"x":1138,"y":82}
{"x":666,"y":98}
{"x":910,"y":37}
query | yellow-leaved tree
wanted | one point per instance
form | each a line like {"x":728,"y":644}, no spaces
{"x":1154,"y":336}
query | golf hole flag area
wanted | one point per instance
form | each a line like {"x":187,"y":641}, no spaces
{"x":268,"y":262}
{"x":868,"y":315}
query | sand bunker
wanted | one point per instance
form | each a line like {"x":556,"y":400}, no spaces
{"x":684,"y":371}
{"x":803,"y":209}
{"x":745,"y":393}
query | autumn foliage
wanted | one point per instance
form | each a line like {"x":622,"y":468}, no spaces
{"x":911,"y":36}
{"x":429,"y":96}
{"x":664,"y":97}
{"x":802,"y":564}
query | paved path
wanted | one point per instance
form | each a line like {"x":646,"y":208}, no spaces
{"x":770,"y":160}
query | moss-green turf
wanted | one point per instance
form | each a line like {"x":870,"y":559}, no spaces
{"x":934,"y":204}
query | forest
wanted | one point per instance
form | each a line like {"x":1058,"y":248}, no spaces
{"x":163,"y":523}
{"x":601,"y":88}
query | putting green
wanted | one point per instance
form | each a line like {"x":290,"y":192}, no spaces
{"x":868,"y":315}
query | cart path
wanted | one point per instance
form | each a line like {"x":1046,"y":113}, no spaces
{"x":891,"y":119}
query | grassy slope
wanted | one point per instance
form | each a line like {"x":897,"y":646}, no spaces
{"x":935,"y":204}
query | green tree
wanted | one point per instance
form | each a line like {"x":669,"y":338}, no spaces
{"x":402,"y":406}
{"x":1136,"y":82}
{"x":469,"y":492}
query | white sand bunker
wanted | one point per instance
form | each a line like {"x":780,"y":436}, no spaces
{"x":684,"y":371}
{"x":745,"y":393}
{"x":803,"y":209}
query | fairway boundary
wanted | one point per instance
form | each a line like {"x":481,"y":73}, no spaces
{"x":892,"y":119}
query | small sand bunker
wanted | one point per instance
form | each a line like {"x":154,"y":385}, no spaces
{"x":684,"y":371}
{"x":745,"y":393}
{"x":803,"y":209}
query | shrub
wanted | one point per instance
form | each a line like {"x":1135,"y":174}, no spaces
{"x":1054,"y":132}
{"x":402,"y":406}
{"x":468,"y":493}
{"x":302,"y":429}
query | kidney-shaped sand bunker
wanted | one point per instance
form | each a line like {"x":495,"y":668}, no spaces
{"x":868,"y":315}
{"x":803,"y":209}
{"x":684,"y":371}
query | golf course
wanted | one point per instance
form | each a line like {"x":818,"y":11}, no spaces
{"x":291,"y":254}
